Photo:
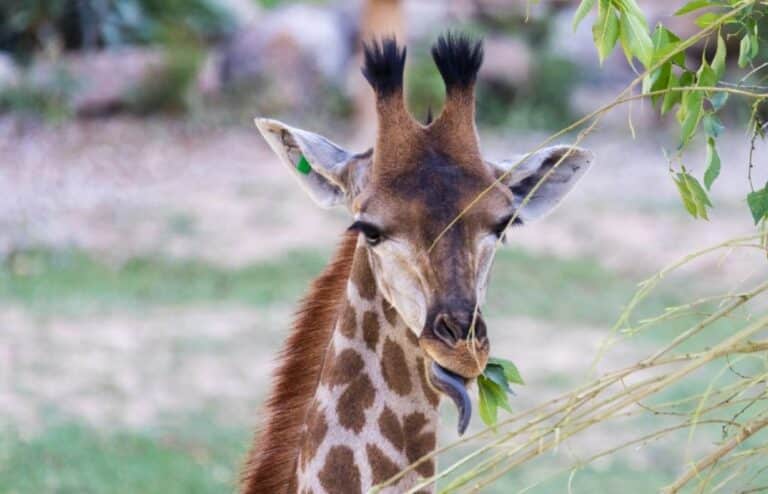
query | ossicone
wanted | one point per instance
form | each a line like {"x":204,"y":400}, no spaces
{"x":383,"y":66}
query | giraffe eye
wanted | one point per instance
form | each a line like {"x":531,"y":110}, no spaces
{"x":501,"y":226}
{"x":371,"y":232}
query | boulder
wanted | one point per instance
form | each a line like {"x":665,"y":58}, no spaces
{"x":316,"y":38}
{"x":9,"y":72}
{"x":102,"y":79}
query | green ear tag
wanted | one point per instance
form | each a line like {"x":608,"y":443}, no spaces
{"x":303,"y":165}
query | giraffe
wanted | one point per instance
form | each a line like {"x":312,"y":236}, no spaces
{"x":392,"y":324}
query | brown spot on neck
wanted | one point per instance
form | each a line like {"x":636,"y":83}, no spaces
{"x":390,"y":428}
{"x":382,"y":467}
{"x":418,"y":443}
{"x":371,"y":329}
{"x":317,"y":428}
{"x":343,"y":368}
{"x":390,"y":313}
{"x":362,"y":276}
{"x":348,"y":322}
{"x":354,"y":401}
{"x":394,"y":368}
{"x":340,"y":475}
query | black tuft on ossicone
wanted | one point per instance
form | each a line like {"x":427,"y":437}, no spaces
{"x":383,"y":66}
{"x":458,"y":58}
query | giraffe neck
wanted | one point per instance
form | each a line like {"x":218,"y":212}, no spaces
{"x":374,"y":411}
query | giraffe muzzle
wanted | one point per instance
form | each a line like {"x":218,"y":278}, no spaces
{"x":455,"y":387}
{"x":458,"y":342}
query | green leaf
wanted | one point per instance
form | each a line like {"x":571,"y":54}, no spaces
{"x":718,"y":62}
{"x":694,"y":197}
{"x":691,"y":106}
{"x":664,"y":43}
{"x":657,"y":80}
{"x":685,"y":195}
{"x":605,"y":32}
{"x":487,"y":403}
{"x":584,"y":7}
{"x":706,"y":77}
{"x":758,"y":204}
{"x":712,"y":164}
{"x":636,"y":39}
{"x":754,"y":45}
{"x":700,"y":196}
{"x":671,"y":98}
{"x":499,"y":395}
{"x":712,"y":125}
{"x":706,"y":20}
{"x":745,"y":51}
{"x":510,"y":369}
{"x":718,"y":99}
{"x":693,"y":5}
{"x":697,"y":194}
{"x":495,"y":373}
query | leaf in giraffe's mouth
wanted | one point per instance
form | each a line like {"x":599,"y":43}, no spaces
{"x":454,"y":386}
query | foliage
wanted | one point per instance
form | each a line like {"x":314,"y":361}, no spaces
{"x":542,"y":102}
{"x":697,"y":93}
{"x":493,"y":388}
{"x":168,"y":89}
{"x":30,"y":25}
{"x":50,"y":101}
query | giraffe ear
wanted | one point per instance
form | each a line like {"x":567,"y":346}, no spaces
{"x":330,"y":174}
{"x":522,"y":177}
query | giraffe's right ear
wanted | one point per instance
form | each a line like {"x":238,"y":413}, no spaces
{"x":329,"y":174}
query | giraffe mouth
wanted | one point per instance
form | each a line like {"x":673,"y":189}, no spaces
{"x":455,"y":387}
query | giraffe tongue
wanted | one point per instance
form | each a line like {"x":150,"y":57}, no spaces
{"x":453,"y":385}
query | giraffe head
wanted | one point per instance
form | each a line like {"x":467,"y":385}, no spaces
{"x":429,"y":208}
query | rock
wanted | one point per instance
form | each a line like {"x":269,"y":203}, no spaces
{"x":315,"y":37}
{"x":9,"y":72}
{"x":102,"y":79}
{"x":506,"y":60}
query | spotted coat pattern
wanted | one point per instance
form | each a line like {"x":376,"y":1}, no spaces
{"x":374,"y":411}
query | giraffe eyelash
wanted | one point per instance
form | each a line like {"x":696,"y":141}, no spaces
{"x":371,"y":232}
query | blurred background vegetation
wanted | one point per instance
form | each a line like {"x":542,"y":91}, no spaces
{"x":45,"y":44}
{"x":152,"y":251}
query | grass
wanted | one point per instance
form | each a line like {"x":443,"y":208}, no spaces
{"x":74,"y":282}
{"x":72,"y":457}
{"x":71,"y":281}
{"x":568,"y":290}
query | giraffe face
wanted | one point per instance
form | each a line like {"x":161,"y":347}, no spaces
{"x":429,"y":207}
{"x":435,"y":275}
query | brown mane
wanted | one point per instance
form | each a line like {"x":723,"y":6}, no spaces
{"x":271,"y":462}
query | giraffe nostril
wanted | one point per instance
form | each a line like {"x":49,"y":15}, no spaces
{"x":447,"y":329}
{"x":481,"y":332}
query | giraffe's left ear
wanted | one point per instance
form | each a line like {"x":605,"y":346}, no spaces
{"x":522,"y":178}
{"x":330,"y":174}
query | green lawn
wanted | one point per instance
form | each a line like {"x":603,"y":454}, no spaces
{"x":74,"y":282}
{"x":192,"y":456}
